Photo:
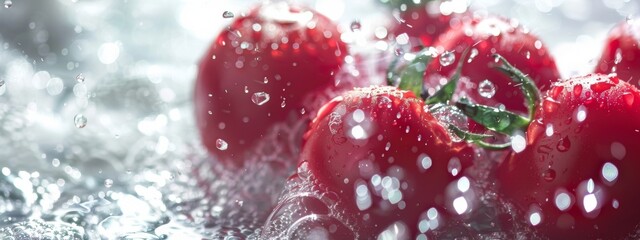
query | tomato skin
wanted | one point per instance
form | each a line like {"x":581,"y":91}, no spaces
{"x":579,"y":168}
{"x":484,"y":37}
{"x":424,"y":23}
{"x":291,"y":53}
{"x":621,"y":53}
{"x":376,"y":136}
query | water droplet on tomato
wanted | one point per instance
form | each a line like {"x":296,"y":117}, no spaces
{"x":486,"y":89}
{"x":628,"y":98}
{"x":221,"y":144}
{"x":80,"y":120}
{"x":260,"y":98}
{"x":564,"y":144}
{"x":447,"y":58}
{"x":549,"y":175}
{"x":618,"y":56}
{"x":577,"y":90}
{"x":550,"y":105}
{"x":227,"y":14}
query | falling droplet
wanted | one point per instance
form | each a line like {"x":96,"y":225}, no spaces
{"x":222,"y":144}
{"x":549,"y":175}
{"x":227,"y":14}
{"x":260,"y":98}
{"x":8,"y":3}
{"x":355,"y":25}
{"x":486,"y":89}
{"x":283,"y":104}
{"x":80,"y":78}
{"x":447,"y":58}
{"x":564,"y":144}
{"x":80,"y":120}
{"x":303,"y":111}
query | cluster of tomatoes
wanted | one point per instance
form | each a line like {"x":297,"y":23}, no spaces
{"x":478,"y":89}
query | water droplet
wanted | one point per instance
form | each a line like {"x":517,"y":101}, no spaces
{"x":424,"y":162}
{"x":303,"y":111}
{"x":8,"y":3}
{"x":550,"y":105}
{"x":564,"y":144}
{"x":577,"y":90}
{"x":609,"y":172}
{"x":618,"y":56}
{"x":80,"y":120}
{"x":398,"y":51}
{"x":303,"y":170}
{"x":227,"y":14}
{"x":535,"y":218}
{"x":260,"y":98}
{"x":581,"y":115}
{"x":80,"y":78}
{"x":563,"y":201}
{"x":447,"y":58}
{"x":283,"y":104}
{"x":549,"y":175}
{"x":486,"y":89}
{"x":1,"y":82}
{"x":518,"y":142}
{"x":460,"y":205}
{"x":627,"y":97}
{"x":222,"y":144}
{"x":454,"y":167}
{"x":355,"y":25}
{"x":108,"y":183}
{"x":473,"y":54}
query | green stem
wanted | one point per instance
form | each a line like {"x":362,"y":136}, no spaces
{"x":528,"y":87}
{"x":494,"y":119}
{"x":446,"y":92}
{"x":413,"y":75}
{"x":478,"y":139}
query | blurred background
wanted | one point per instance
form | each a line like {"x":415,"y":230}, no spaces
{"x":96,"y":121}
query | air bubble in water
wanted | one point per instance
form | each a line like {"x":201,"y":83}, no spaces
{"x":486,"y":89}
{"x":80,"y":120}
{"x":447,"y":58}
{"x":222,"y":144}
{"x":8,"y":3}
{"x":227,"y":14}
{"x":355,"y":25}
{"x":260,"y":98}
{"x":80,"y":78}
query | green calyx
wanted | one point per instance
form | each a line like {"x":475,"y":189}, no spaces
{"x":495,"y":119}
